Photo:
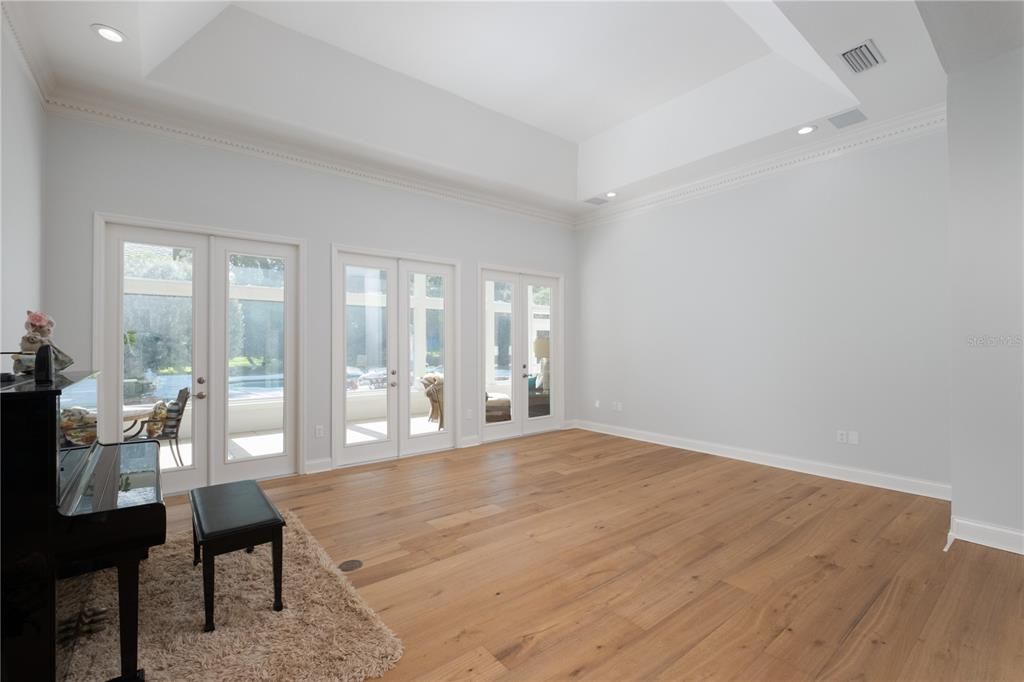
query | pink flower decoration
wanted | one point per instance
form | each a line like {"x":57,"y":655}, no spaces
{"x":37,"y":319}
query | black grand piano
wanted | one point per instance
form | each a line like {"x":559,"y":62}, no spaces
{"x":68,"y":511}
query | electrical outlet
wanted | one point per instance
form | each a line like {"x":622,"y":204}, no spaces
{"x":597,"y":404}
{"x":842,"y":437}
{"x":617,"y":406}
{"x":853,"y":437}
{"x":318,"y":431}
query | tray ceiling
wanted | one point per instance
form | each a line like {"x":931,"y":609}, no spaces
{"x":544,"y":103}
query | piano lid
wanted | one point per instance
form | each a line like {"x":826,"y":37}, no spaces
{"x":26,"y":385}
{"x":116,"y":476}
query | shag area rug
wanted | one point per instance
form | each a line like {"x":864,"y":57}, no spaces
{"x":325,"y":632}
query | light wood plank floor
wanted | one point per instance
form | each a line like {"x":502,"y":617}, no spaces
{"x":585,"y":556}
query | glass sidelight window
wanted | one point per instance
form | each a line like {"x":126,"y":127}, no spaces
{"x":366,"y":354}
{"x":426,"y":353}
{"x":539,"y":350}
{"x":256,"y":367}
{"x":157,"y":331}
{"x":498,"y":304}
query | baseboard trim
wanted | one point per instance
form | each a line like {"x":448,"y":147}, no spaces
{"x":315,"y":466}
{"x":990,"y":535}
{"x":470,"y":441}
{"x":878,"y":479}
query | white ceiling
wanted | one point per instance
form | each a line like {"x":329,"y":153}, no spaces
{"x":573,"y":69}
{"x":542,"y":103}
{"x":968,"y":33}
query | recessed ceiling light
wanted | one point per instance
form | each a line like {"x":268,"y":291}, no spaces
{"x":108,"y":33}
{"x":806,"y":130}
{"x":611,"y":195}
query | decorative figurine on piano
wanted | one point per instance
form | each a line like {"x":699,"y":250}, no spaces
{"x":39,"y":326}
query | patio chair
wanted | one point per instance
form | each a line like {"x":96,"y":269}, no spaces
{"x":169,"y":425}
{"x":433,"y":389}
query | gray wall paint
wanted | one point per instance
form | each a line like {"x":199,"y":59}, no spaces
{"x":771,"y":315}
{"x":95,"y":167}
{"x":986,"y":147}
{"x":22,"y":171}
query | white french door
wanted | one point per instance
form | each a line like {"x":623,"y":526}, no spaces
{"x":209,"y":323}
{"x":521,"y":354}
{"x":393,"y":358}
{"x":254,"y":318}
{"x":156,"y":316}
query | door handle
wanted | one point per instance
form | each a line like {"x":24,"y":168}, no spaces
{"x":201,"y":380}
{"x":393,"y":384}
{"x":524,"y":376}
{"x":201,"y":395}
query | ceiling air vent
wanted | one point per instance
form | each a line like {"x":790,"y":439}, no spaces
{"x":849,"y":118}
{"x":863,"y":57}
{"x":596,"y":201}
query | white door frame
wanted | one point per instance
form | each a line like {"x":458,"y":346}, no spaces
{"x":553,"y":420}
{"x":503,"y":430}
{"x":223,"y":470}
{"x":512,"y":427}
{"x":101,"y":221}
{"x":370,"y":451}
{"x":409,"y":444}
{"x":109,"y":395}
{"x":338,"y":249}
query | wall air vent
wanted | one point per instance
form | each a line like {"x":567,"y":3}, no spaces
{"x":596,"y":201}
{"x":863,"y":57}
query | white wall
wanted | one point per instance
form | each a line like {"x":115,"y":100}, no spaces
{"x":22,"y":192}
{"x":986,"y":147}
{"x":96,"y":167}
{"x":769,"y":316}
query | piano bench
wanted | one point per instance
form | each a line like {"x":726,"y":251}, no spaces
{"x":229,"y":517}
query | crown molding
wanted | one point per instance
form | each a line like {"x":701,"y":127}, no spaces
{"x":340,"y":164}
{"x":26,"y":63}
{"x":375,"y":176}
{"x":894,"y":130}
{"x":897,"y":129}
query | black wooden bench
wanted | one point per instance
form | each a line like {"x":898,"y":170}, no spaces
{"x":229,"y":517}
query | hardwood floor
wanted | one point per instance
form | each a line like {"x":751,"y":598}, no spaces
{"x":580,"y":555}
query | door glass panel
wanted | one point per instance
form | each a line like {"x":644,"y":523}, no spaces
{"x":539,"y":351}
{"x":498,"y":300}
{"x":366,"y":355}
{"x":255,"y":357}
{"x":426,"y":353}
{"x":157,"y":343}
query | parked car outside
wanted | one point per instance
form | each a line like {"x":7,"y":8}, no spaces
{"x":377,"y":377}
